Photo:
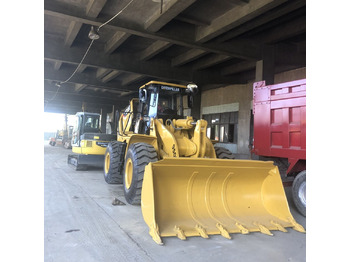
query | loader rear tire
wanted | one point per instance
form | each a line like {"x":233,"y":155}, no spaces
{"x":223,"y":153}
{"x":299,"y":192}
{"x":114,"y":162}
{"x":139,"y":155}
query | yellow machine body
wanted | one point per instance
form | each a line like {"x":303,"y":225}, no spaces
{"x":199,"y":197}
{"x":88,"y":142}
{"x":90,"y":147}
{"x":189,"y":192}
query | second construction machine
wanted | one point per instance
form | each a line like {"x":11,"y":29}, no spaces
{"x":88,"y":142}
{"x":168,"y":165}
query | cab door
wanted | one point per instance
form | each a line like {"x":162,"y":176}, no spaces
{"x":77,"y":131}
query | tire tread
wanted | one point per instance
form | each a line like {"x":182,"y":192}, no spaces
{"x":143,"y":154}
{"x":116,"y":150}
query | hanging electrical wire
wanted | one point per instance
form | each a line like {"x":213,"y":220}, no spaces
{"x":93,"y":36}
{"x":114,"y":16}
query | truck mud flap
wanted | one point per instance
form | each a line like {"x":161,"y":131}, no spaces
{"x":186,"y":197}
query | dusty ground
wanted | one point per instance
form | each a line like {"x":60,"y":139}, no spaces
{"x":81,"y":224}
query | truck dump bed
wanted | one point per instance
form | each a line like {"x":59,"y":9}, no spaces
{"x":280,"y":122}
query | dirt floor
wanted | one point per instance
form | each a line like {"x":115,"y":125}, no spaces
{"x":81,"y":224}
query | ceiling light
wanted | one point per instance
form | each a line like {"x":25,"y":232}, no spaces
{"x":93,"y":35}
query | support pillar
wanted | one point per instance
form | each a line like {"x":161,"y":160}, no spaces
{"x":103,"y":119}
{"x":196,"y":108}
{"x":65,"y":122}
{"x":265,"y":68}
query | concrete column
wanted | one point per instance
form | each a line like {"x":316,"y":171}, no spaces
{"x":65,"y":122}
{"x":103,"y":119}
{"x":196,"y":108}
{"x":243,"y":96}
{"x":115,"y":118}
{"x":265,"y":68}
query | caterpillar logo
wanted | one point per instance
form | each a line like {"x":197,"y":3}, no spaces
{"x":169,"y":88}
{"x":174,"y":151}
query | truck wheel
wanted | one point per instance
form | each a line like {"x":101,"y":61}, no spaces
{"x":114,"y":162}
{"x":137,"y":157}
{"x":299,"y":192}
{"x":223,"y":153}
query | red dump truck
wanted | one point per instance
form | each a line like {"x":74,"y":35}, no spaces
{"x":280,"y":131}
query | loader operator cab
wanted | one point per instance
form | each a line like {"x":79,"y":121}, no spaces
{"x":158,"y":100}
{"x":85,"y":123}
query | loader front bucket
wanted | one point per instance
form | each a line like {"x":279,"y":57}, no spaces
{"x":199,"y":197}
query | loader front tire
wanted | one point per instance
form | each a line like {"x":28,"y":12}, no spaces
{"x":139,"y":155}
{"x":299,"y":192}
{"x":223,"y":153}
{"x":114,"y":162}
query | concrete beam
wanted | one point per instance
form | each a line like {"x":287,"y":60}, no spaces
{"x":79,"y":87}
{"x":190,"y":20}
{"x":104,"y":90}
{"x":212,"y":78}
{"x":210,"y":61}
{"x":115,"y":41}
{"x":81,"y":79}
{"x":81,"y":68}
{"x":61,"y":109}
{"x":170,"y":10}
{"x":57,"y":65}
{"x":154,"y":49}
{"x":101,"y":72}
{"x":72,"y":32}
{"x":238,"y":67}
{"x":93,"y":8}
{"x":289,"y":54}
{"x":131,"y":78}
{"x":279,"y":33}
{"x":235,"y":17}
{"x":261,"y":20}
{"x":237,"y":49}
{"x":72,"y":96}
{"x":187,"y":57}
{"x":110,"y":76}
{"x":72,"y":107}
{"x":123,"y":62}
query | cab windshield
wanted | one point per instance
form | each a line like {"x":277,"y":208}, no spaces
{"x":168,"y":102}
{"x":91,"y":124}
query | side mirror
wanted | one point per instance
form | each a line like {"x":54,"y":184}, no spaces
{"x":192,"y":88}
{"x":143,"y":95}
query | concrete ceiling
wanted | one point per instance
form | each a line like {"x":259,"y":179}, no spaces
{"x":211,"y":43}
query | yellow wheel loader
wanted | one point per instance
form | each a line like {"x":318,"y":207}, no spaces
{"x":168,"y":165}
{"x":88,"y":142}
